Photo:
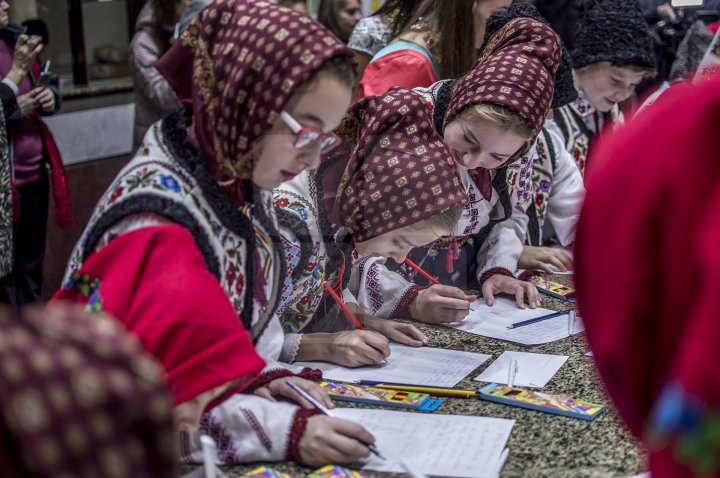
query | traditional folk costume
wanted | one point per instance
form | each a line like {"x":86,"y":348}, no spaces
{"x":485,"y":243}
{"x":206,"y":236}
{"x":653,"y":326}
{"x":80,"y":397}
{"x":554,"y":206}
{"x":613,"y":31}
{"x":393,"y":170}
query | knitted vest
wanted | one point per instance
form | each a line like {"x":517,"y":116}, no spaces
{"x":167,"y":177}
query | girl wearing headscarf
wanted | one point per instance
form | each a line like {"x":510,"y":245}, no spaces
{"x":647,"y":277}
{"x":390,"y":187}
{"x":489,"y":119}
{"x":80,"y":397}
{"x":553,"y":205}
{"x":613,"y":54}
{"x":187,"y":229}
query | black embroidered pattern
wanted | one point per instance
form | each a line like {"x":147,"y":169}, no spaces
{"x":300,"y":228}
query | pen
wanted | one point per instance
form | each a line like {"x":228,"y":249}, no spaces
{"x":537,"y":319}
{"x":437,"y":391}
{"x":209,"y":451}
{"x":318,"y":406}
{"x":501,"y":461}
{"x":421,"y":271}
{"x":348,"y":314}
{"x":542,"y":290}
{"x":425,"y":274}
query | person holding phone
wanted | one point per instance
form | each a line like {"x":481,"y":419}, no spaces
{"x":32,"y":148}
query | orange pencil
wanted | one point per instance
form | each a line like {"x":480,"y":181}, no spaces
{"x":421,"y":271}
{"x":350,"y":316}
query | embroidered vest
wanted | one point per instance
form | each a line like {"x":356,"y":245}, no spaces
{"x":167,"y":177}
{"x":314,"y":253}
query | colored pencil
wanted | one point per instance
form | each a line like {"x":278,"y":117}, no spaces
{"x":436,"y":391}
{"x":537,"y":319}
{"x":348,"y":314}
{"x":421,"y":271}
{"x":319,"y":407}
{"x":542,"y":290}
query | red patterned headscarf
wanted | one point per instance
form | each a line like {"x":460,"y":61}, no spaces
{"x":515,"y":70}
{"x":239,"y":62}
{"x":399,"y":170}
{"x":79,"y":397}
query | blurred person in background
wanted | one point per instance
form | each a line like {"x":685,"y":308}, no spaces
{"x":155,"y":30}
{"x":297,"y":5}
{"x":340,"y":16}
{"x":27,"y":94}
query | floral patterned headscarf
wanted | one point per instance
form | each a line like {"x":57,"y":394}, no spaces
{"x":399,"y":171}
{"x":239,"y":62}
{"x":515,"y":70}
{"x":79,"y":397}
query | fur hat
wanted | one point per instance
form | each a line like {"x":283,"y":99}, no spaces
{"x":565,"y":91}
{"x":614,"y":31}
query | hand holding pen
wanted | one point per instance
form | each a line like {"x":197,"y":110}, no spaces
{"x":335,"y":440}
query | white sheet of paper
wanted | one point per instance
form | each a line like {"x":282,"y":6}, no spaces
{"x":642,"y":475}
{"x":493,"y":321}
{"x":534,"y":370}
{"x":410,"y":365}
{"x":440,"y":445}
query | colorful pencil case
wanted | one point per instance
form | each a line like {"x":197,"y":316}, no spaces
{"x":334,"y":471}
{"x":265,"y":472}
{"x":554,"y":289}
{"x":543,"y":402}
{"x":381,"y":397}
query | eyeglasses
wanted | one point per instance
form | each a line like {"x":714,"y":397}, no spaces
{"x":307,"y":137}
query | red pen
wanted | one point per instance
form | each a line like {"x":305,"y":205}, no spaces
{"x":421,"y":271}
{"x":348,"y":314}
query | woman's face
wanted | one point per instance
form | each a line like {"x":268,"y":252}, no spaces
{"x":605,"y":85}
{"x":482,"y":9}
{"x":4,"y":16}
{"x":397,"y":244}
{"x":348,"y":16}
{"x":322,"y":107}
{"x":481,"y":143}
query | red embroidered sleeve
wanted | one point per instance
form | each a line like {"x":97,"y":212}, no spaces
{"x":495,"y":270}
{"x":297,"y":430}
{"x":402,"y":309}
{"x":267,"y":377}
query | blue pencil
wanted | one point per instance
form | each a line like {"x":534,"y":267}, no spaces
{"x":542,"y":290}
{"x":537,"y":319}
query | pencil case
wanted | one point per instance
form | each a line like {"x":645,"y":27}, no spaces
{"x":541,"y":401}
{"x":266,"y":472}
{"x":381,"y":397}
{"x":334,"y":471}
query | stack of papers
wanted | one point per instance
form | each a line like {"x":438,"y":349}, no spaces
{"x":408,"y":365}
{"x":493,"y":322}
{"x":440,"y":445}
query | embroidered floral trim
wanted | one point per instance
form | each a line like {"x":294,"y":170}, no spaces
{"x":297,"y":430}
{"x":495,"y":270}
{"x":310,"y":374}
{"x":402,"y":309}
{"x":267,"y":377}
{"x":227,"y":452}
{"x":525,"y":276}
{"x":89,"y":288}
{"x":257,"y":428}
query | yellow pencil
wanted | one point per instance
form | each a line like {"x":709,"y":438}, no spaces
{"x":436,"y":391}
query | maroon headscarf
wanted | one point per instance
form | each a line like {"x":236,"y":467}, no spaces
{"x":239,"y":62}
{"x":399,"y":170}
{"x":79,"y":397}
{"x":515,"y":70}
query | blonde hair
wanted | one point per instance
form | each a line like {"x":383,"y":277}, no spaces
{"x":443,"y":222}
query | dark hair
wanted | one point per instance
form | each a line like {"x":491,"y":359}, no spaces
{"x":35,"y":26}
{"x":165,"y":19}
{"x":328,"y":15}
{"x":290,"y":3}
{"x":400,"y":12}
{"x":452,"y":21}
{"x":341,"y":67}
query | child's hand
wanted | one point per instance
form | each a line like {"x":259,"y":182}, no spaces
{"x":406,"y":334}
{"x":498,"y":284}
{"x":329,"y":440}
{"x":441,"y":304}
{"x":279,"y":387}
{"x":547,"y":259}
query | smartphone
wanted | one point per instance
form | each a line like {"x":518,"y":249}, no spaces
{"x":44,"y":79}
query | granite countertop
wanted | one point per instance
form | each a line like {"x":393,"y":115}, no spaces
{"x":541,"y":444}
